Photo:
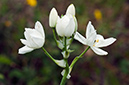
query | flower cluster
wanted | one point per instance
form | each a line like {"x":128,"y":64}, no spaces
{"x":64,"y":31}
{"x":65,"y":25}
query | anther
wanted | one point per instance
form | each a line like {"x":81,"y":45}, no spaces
{"x":97,"y":40}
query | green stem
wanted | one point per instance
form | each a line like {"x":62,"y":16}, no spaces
{"x":78,"y":57}
{"x":84,"y":52}
{"x":53,"y":29}
{"x":63,"y":81}
{"x":65,"y":44}
{"x":48,"y":54}
{"x":72,"y":38}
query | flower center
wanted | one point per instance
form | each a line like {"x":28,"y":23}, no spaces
{"x":95,"y":42}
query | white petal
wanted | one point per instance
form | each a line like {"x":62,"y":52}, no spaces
{"x":76,"y":24}
{"x":53,"y":16}
{"x":90,"y":29}
{"x":104,"y":42}
{"x":39,"y":42}
{"x":29,"y":29}
{"x":99,"y":51}
{"x":100,"y":37}
{"x":91,"y":39}
{"x":59,"y":29}
{"x":36,"y":34}
{"x":71,"y":10}
{"x":23,"y":41}
{"x":69,"y":30}
{"x":65,"y":26}
{"x":24,"y":50}
{"x":39,"y":28}
{"x":80,"y":38}
{"x":28,"y":35}
{"x":61,"y":25}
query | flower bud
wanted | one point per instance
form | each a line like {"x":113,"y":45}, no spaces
{"x":53,"y":16}
{"x":65,"y":26}
{"x":71,"y":10}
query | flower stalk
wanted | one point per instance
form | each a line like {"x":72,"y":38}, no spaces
{"x":48,"y":54}
{"x":63,"y":81}
{"x":78,"y":57}
{"x":54,"y":34}
{"x":60,"y":63}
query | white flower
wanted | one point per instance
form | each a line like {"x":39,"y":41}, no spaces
{"x":71,"y":10}
{"x":94,"y":40}
{"x":35,"y":38}
{"x":65,"y":25}
{"x":53,"y":16}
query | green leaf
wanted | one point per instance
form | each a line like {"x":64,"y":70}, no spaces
{"x":17,"y":73}
{"x":124,"y":64}
{"x":1,"y":76}
{"x":112,"y":79}
{"x":5,"y":60}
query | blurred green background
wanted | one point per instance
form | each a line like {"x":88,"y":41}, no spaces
{"x":110,"y":18}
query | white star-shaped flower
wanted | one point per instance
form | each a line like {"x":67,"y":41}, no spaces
{"x":94,"y":40}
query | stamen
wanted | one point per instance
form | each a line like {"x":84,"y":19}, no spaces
{"x":97,"y":40}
